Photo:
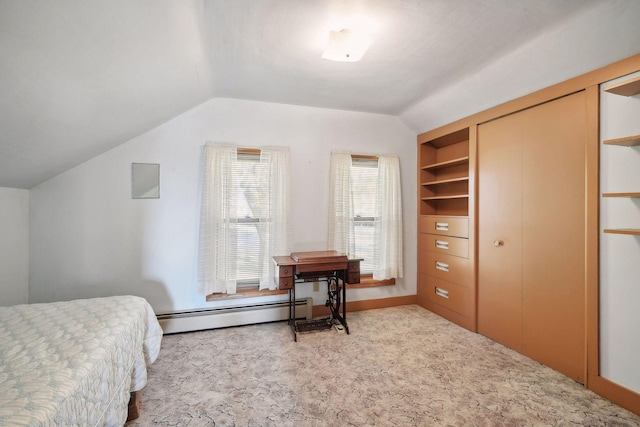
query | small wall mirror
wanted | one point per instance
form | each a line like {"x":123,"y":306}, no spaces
{"x":145,"y":181}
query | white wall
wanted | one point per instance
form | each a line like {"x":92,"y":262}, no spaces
{"x":89,"y":238}
{"x":620,"y":254}
{"x":590,"y":40}
{"x":14,"y":246}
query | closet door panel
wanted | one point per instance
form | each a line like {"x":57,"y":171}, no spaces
{"x":553,"y":266}
{"x":500,"y":231}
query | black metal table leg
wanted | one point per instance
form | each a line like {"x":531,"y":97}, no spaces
{"x":344,"y":304}
{"x":292,"y":312}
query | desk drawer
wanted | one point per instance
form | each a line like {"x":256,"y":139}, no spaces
{"x":353,"y":278}
{"x":450,"y":268}
{"x":285,"y":283}
{"x":354,"y":266}
{"x":444,"y":244}
{"x":457,"y":226}
{"x":447,"y":294}
{"x":285,"y":271}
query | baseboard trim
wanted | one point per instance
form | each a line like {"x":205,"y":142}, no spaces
{"x":616,"y":393}
{"x":321,"y":310}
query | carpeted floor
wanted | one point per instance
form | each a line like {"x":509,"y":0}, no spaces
{"x":401,"y":366}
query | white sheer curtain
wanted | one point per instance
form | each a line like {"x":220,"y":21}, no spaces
{"x":387,"y":251}
{"x":341,"y":213}
{"x":226,"y":202}
{"x":278,"y":239}
{"x":388,"y":221}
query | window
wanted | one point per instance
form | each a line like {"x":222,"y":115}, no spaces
{"x":364,"y":180}
{"x":366,"y":212}
{"x":244,"y":217}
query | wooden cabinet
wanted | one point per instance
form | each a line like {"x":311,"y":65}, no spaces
{"x":531,"y":232}
{"x":446,"y":284}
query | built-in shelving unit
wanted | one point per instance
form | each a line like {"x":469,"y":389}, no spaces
{"x":627,"y":88}
{"x":446,"y":255}
{"x":444,"y":175}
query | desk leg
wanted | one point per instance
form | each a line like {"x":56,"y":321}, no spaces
{"x":292,"y":311}
{"x":344,"y":302}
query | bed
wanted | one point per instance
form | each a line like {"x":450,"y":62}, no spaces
{"x":75,"y":362}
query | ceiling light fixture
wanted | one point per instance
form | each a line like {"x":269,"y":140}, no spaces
{"x":346,"y":46}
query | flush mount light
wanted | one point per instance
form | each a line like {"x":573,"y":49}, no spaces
{"x":346,"y":46}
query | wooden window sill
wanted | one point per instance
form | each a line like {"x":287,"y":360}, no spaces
{"x":248,"y":292}
{"x":366,"y":281}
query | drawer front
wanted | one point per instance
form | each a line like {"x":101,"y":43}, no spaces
{"x":354,"y":266}
{"x":321,"y":268}
{"x":445,"y":225}
{"x":286,"y":271}
{"x":353,"y":278}
{"x":446,"y":267}
{"x":456,"y":246}
{"x":447,"y":294}
{"x":285,"y":283}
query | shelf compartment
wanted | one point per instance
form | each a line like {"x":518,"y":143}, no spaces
{"x":446,"y":181}
{"x":620,"y":194}
{"x":449,"y":206}
{"x":627,"y":88}
{"x":447,"y":197}
{"x":629,"y":141}
{"x":448,"y":163}
{"x":629,"y":231}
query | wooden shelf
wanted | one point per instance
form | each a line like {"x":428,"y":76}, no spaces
{"x":629,"y":141}
{"x":627,"y":88}
{"x":455,"y":196}
{"x":448,"y":163}
{"x":446,"y":181}
{"x":630,"y":231}
{"x":620,"y":194}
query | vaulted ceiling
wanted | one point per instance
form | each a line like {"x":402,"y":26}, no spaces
{"x":78,"y":77}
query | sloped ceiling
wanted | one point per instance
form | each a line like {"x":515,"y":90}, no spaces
{"x":78,"y":77}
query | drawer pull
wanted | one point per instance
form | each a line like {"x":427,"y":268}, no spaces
{"x":442,"y":266}
{"x":442,"y":226}
{"x":442,"y":292}
{"x":441,"y":244}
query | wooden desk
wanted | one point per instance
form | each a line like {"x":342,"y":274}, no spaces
{"x":335,"y":268}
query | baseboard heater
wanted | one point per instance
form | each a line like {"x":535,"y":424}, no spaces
{"x":222,"y":317}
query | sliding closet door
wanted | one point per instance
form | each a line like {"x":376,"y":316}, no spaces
{"x":553,"y":235}
{"x":500,"y":231}
{"x":531,"y":245}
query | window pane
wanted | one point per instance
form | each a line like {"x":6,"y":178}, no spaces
{"x":364,"y":180}
{"x":251,"y":192}
{"x":364,"y":234}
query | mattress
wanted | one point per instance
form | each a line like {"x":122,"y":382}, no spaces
{"x":74,"y":363}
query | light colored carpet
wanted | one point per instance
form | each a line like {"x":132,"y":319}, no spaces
{"x":401,"y":366}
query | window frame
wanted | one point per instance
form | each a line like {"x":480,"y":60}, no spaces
{"x":366,"y":280}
